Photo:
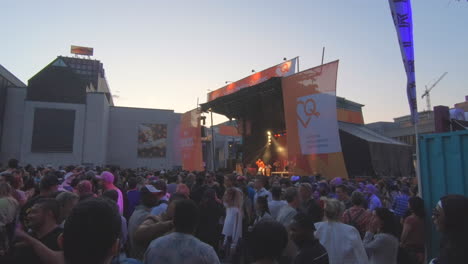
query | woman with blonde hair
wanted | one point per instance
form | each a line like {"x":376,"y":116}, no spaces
{"x":232,"y":229}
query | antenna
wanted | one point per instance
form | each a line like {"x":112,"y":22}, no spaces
{"x":428,"y":90}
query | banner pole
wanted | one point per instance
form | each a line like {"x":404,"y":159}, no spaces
{"x":418,"y":164}
{"x":212,"y":143}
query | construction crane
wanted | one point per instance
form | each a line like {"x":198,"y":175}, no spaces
{"x":428,"y":90}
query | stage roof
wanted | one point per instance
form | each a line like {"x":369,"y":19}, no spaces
{"x":244,"y":101}
{"x":367,"y":134}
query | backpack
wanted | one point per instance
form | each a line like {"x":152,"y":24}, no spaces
{"x":354,"y":221}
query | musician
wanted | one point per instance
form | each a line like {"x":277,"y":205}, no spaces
{"x":261,"y":167}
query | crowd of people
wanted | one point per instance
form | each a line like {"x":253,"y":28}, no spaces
{"x":110,"y":215}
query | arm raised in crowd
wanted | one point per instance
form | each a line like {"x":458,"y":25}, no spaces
{"x":152,"y":228}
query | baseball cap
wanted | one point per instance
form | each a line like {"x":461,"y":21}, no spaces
{"x":106,"y":176}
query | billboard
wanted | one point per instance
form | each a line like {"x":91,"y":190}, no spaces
{"x":311,"y":121}
{"x":152,"y":140}
{"x":82,"y":50}
{"x":190,"y":141}
{"x":281,"y":70}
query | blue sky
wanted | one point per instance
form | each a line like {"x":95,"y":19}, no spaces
{"x":166,"y":54}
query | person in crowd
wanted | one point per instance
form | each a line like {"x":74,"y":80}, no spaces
{"x":373,"y":200}
{"x":342,"y":242}
{"x":108,"y":184}
{"x":307,"y":204}
{"x":276,"y":203}
{"x":133,"y":196}
{"x":413,"y":235}
{"x":287,"y":212}
{"x":310,"y":251}
{"x":9,"y":209}
{"x":381,"y":242}
{"x":181,"y":246}
{"x":84,"y":189}
{"x":43,"y":224}
{"x":198,"y":189}
{"x":161,"y":191}
{"x":48,"y":189}
{"x":149,"y":200}
{"x":15,"y":179}
{"x":211,"y":211}
{"x":450,"y":217}
{"x":343,"y":195}
{"x":261,"y":211}
{"x":183,"y":189}
{"x":268,"y":241}
{"x":66,"y":201}
{"x":156,"y":226}
{"x":260,"y":188}
{"x":171,"y":184}
{"x":230,"y":180}
{"x":114,"y":196}
{"x":13,"y":164}
{"x":400,"y":204}
{"x":232,"y":229}
{"x":357,"y":216}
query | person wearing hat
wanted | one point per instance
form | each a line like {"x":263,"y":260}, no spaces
{"x":310,"y":250}
{"x":160,"y":190}
{"x":108,"y":184}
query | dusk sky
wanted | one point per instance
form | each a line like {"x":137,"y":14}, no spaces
{"x":166,"y":54}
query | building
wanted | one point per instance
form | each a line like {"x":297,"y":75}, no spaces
{"x":66,"y":115}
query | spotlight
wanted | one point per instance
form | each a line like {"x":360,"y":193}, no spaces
{"x":269,"y":133}
{"x":253,"y":70}
{"x":284,"y":59}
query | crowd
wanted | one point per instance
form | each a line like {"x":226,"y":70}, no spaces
{"x":110,"y":215}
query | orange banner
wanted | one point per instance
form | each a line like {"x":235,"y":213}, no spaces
{"x":190,"y":141}
{"x":311,"y":122}
{"x":284,"y":69}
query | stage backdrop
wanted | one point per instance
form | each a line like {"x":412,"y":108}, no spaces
{"x":190,"y":141}
{"x":152,"y":140}
{"x":311,"y":122}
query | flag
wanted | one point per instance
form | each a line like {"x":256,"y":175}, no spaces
{"x":403,"y":20}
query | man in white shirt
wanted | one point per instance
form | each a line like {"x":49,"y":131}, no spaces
{"x":276,"y":204}
{"x":260,"y":190}
{"x":287,"y":212}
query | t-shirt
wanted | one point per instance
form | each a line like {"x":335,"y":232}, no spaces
{"x":415,"y":239}
{"x":177,"y":248}
{"x":28,"y":255}
{"x":286,"y":215}
{"x":161,"y":208}
{"x":275,"y":207}
{"x":357,"y":217}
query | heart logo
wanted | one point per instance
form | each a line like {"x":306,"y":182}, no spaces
{"x":305,"y":111}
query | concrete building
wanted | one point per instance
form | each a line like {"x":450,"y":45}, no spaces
{"x":66,"y":115}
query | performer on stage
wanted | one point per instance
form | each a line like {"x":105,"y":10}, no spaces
{"x":261,"y":167}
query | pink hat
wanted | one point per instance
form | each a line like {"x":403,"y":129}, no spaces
{"x":106,"y":177}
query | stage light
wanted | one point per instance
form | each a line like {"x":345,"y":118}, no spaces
{"x":253,"y":70}
{"x":269,"y":133}
{"x":284,"y":59}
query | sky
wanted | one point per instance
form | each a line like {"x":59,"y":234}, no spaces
{"x":168,"y":54}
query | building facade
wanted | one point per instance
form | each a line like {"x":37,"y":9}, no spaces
{"x":66,"y":116}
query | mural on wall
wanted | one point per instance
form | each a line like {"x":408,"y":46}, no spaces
{"x":152,"y":140}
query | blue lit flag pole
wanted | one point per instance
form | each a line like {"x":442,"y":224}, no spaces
{"x":403,"y":20}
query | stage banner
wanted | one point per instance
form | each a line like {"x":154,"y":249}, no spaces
{"x":284,"y":69}
{"x":190,"y":141}
{"x":403,"y":20}
{"x":311,"y":122}
{"x":152,"y":140}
